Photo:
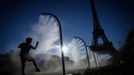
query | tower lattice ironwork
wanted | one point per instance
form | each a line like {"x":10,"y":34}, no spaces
{"x":98,"y":33}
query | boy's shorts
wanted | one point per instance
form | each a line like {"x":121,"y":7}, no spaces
{"x":25,"y":57}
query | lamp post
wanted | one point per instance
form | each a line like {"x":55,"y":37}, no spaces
{"x":85,"y":48}
{"x":61,"y":41}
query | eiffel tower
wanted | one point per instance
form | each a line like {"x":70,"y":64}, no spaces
{"x":98,"y":33}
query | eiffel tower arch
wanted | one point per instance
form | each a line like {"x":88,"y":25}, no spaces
{"x":98,"y":33}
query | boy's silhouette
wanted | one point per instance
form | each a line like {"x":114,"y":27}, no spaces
{"x":24,"y":54}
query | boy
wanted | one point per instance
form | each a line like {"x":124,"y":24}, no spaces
{"x":24,"y":54}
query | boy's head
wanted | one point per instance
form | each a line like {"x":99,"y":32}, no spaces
{"x":28,"y":40}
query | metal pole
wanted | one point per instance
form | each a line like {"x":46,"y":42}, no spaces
{"x":61,"y":42}
{"x":95,"y":58}
{"x":98,"y":58}
{"x":86,"y":50}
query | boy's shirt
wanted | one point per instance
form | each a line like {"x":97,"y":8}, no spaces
{"x":25,"y":48}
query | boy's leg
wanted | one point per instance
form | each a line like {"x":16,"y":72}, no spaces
{"x":34,"y":63}
{"x":37,"y":69}
{"x":23,"y":66}
{"x":23,"y":69}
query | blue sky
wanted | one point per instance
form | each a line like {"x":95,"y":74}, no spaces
{"x":18,"y":16}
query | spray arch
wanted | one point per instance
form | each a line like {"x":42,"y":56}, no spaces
{"x":81,"y":42}
{"x":60,"y":35}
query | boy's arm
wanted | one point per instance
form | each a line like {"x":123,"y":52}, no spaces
{"x":36,"y":45}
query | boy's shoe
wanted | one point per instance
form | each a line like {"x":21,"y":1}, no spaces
{"x":37,"y":70}
{"x":23,"y":73}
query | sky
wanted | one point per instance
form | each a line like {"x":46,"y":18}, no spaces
{"x":17,"y":17}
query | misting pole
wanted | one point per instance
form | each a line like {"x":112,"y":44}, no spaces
{"x":85,"y":49}
{"x":61,"y":41}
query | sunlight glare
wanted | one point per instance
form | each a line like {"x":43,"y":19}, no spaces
{"x":65,"y":49}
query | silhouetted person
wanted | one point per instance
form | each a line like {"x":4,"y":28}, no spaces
{"x":24,"y":54}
